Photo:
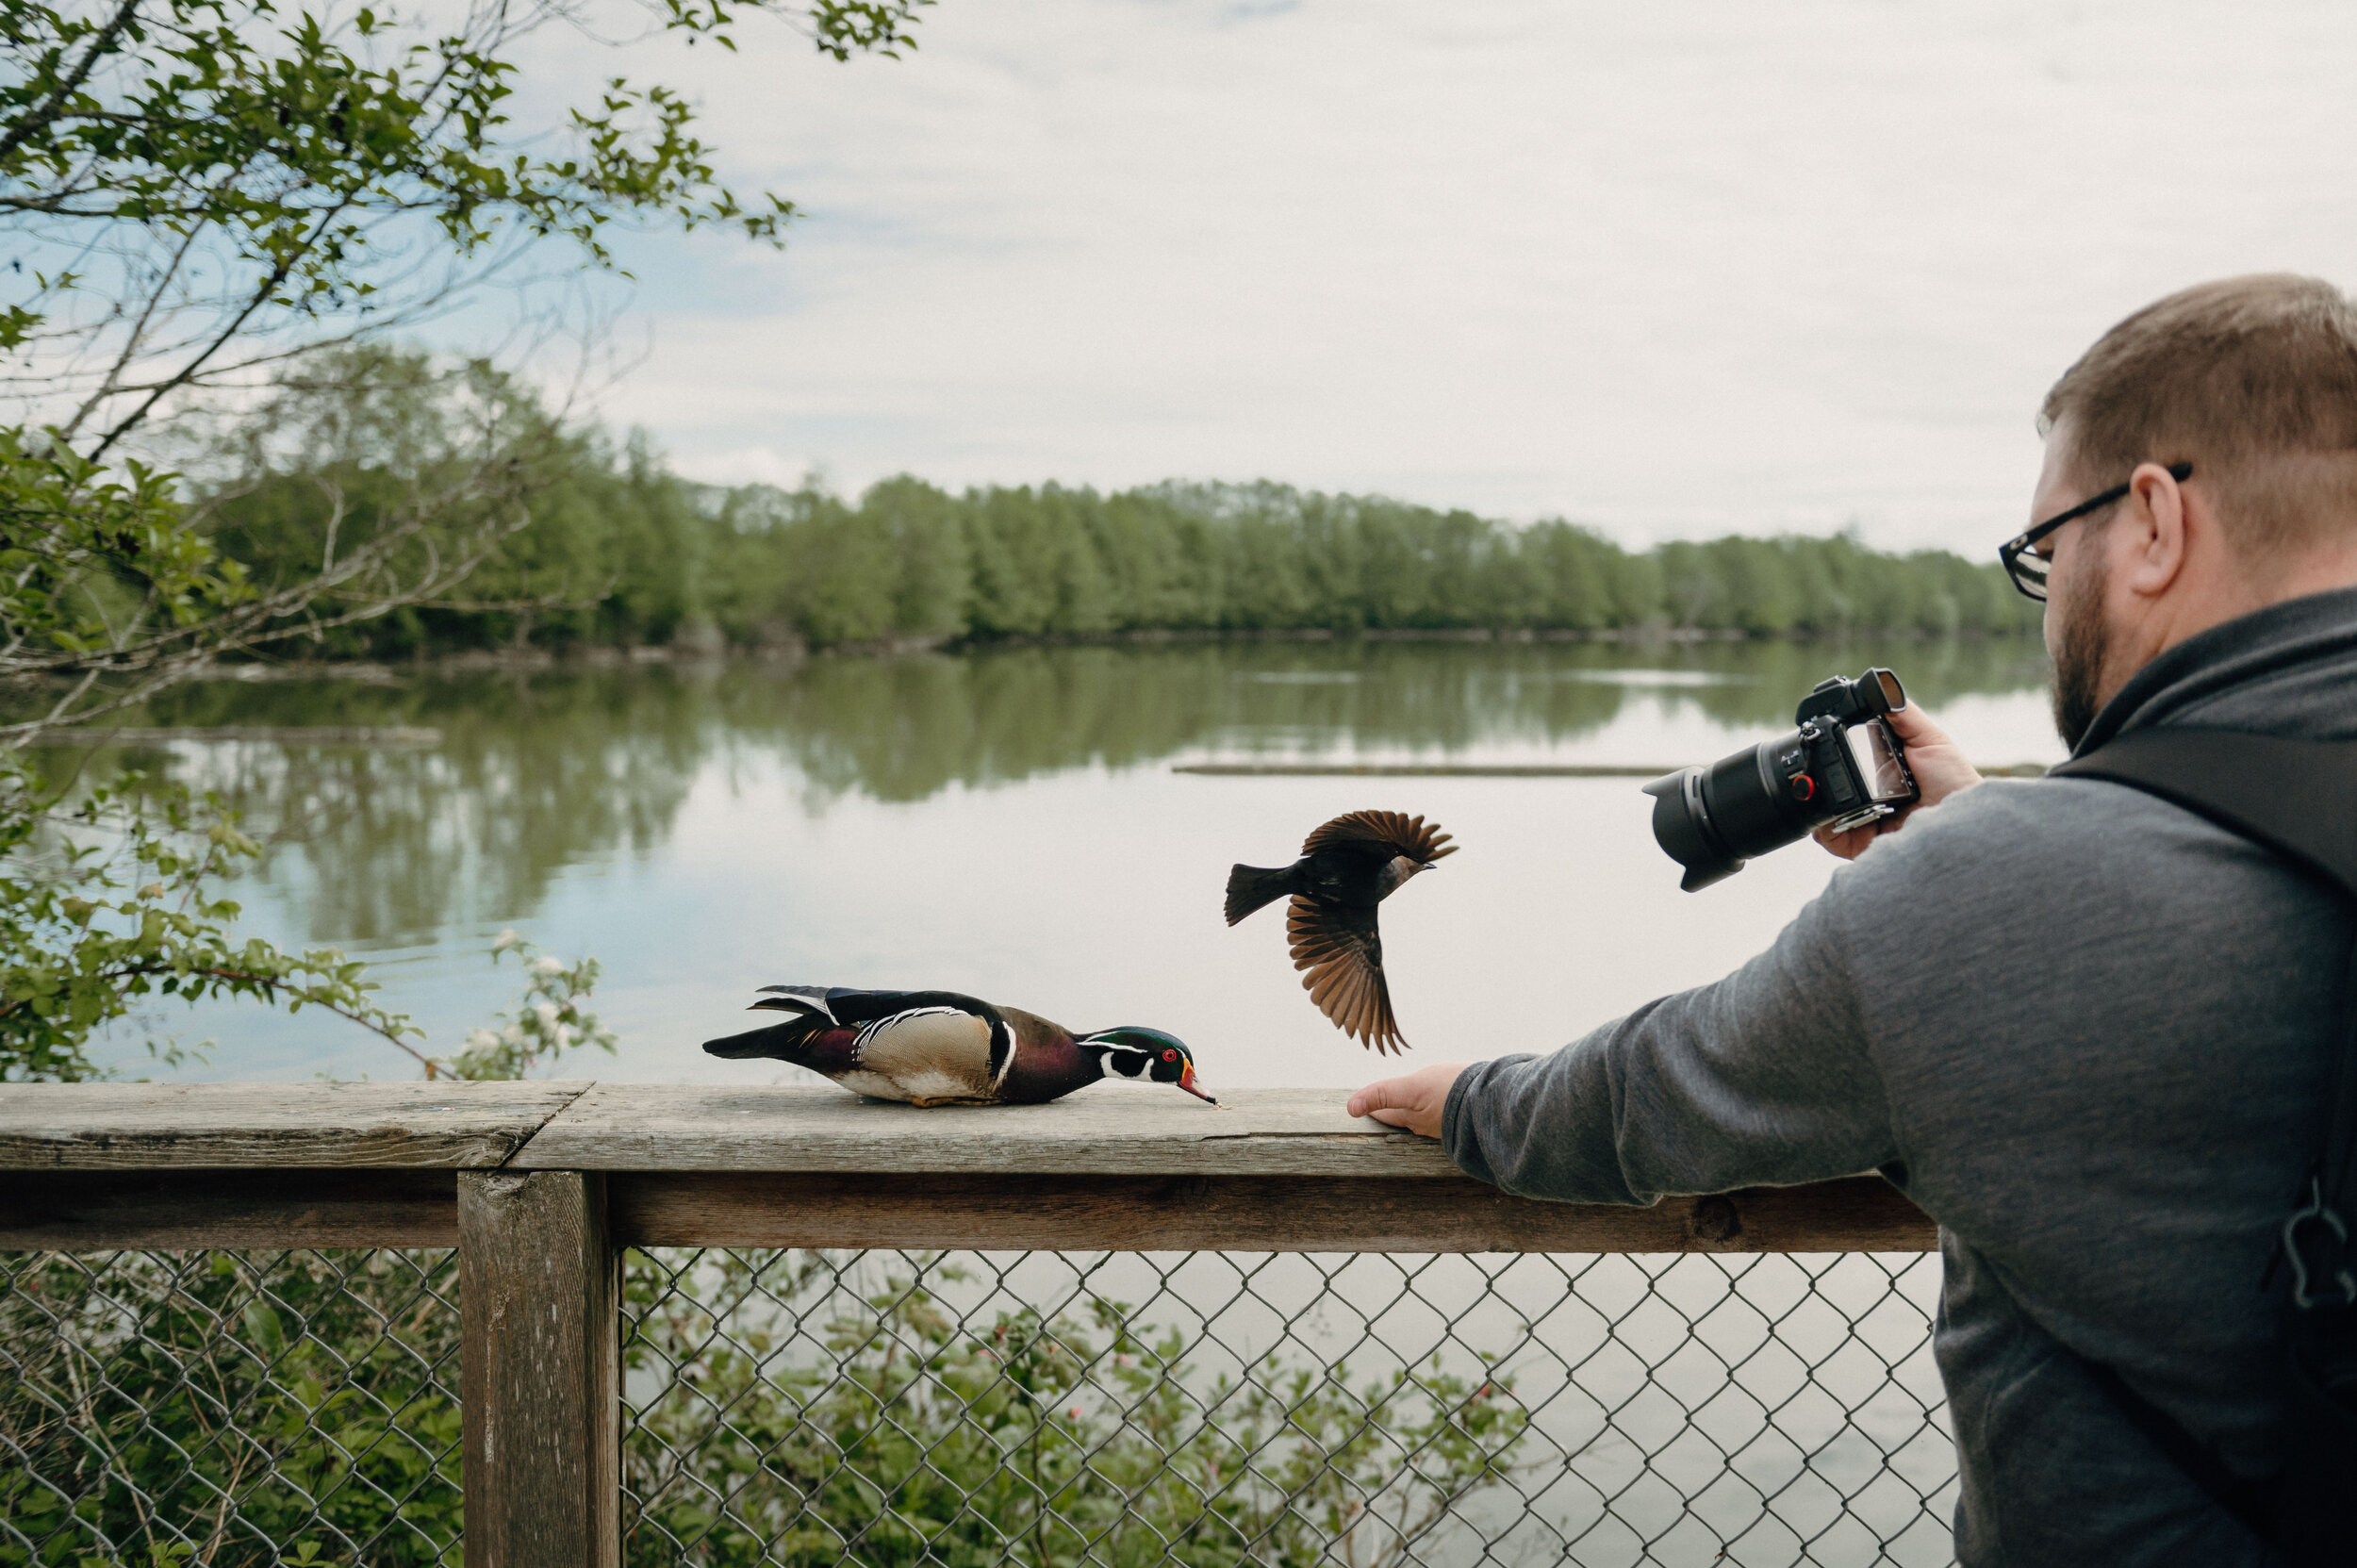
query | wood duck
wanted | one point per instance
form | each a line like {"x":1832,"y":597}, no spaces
{"x":1346,"y":867}
{"x":938,"y":1047}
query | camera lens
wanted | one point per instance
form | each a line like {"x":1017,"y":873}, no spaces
{"x":1711,"y":819}
{"x":1842,"y":765}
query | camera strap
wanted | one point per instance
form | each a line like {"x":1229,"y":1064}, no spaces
{"x":2297,"y":799}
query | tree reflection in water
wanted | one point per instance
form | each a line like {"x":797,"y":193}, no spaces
{"x":538,"y":771}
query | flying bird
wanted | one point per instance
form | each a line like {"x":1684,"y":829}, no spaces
{"x":1346,"y":867}
{"x":938,"y":1047}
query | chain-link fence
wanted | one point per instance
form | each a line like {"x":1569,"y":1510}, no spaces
{"x":247,"y":1408}
{"x":1033,"y":1408}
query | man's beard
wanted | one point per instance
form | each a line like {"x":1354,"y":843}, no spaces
{"x":2079,"y":650}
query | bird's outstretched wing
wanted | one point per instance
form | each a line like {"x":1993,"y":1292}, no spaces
{"x":1394,"y":831}
{"x":1338,"y":945}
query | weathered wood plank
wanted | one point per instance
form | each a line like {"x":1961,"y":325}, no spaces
{"x":1245,"y":1214}
{"x":542,"y":1371}
{"x":98,"y":1210}
{"x":1110,"y":1128}
{"x":224,"y":1126}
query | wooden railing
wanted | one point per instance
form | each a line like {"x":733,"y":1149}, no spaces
{"x":539,"y":1184}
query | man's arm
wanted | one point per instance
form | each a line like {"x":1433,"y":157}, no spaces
{"x":1764,"y":1076}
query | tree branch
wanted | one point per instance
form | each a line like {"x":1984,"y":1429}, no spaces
{"x":39,"y":118}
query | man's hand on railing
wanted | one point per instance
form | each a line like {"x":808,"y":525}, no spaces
{"x":1940,"y":768}
{"x":1414,"y":1100}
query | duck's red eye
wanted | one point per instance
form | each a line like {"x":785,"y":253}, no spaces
{"x":1170,"y":1056}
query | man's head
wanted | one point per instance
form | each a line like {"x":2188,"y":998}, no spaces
{"x":2254,"y":381}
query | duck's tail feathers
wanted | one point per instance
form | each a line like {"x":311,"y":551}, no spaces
{"x":786,"y":1042}
{"x":1250,"y":887}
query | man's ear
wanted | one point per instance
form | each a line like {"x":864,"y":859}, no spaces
{"x":2155,"y":541}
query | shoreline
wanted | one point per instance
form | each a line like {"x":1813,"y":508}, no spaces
{"x":587,"y":657}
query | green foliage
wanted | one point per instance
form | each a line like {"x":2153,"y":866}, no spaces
{"x":107,"y":900}
{"x":87,"y":552}
{"x":369,"y":482}
{"x":924,"y":1438}
{"x":247,"y":1408}
{"x":230,"y":168}
{"x":622,"y":551}
{"x":549,"y":1022}
{"x":572,"y":540}
{"x":206,"y":189}
{"x":268,"y":1408}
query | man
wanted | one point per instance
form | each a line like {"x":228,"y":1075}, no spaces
{"x":2092,"y":1035}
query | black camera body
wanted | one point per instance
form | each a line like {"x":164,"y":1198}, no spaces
{"x":1844,"y":767}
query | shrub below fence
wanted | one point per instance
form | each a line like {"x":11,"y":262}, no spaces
{"x":229,"y":1407}
{"x":885,"y":1408}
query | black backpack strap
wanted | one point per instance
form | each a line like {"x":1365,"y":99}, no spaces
{"x":2299,"y":799}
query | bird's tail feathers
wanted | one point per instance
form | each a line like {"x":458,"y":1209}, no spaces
{"x":1251,"y":887}
{"x":786,"y":1041}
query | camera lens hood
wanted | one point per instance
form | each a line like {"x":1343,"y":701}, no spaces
{"x":1682,"y":826}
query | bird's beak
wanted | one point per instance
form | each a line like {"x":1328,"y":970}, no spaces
{"x":1186,"y":1081}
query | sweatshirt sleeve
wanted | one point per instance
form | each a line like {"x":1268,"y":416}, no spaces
{"x":1763,"y":1078}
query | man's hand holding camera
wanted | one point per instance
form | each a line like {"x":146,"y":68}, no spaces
{"x":1940,"y":768}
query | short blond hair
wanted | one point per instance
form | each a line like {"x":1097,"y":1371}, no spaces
{"x":2252,"y":380}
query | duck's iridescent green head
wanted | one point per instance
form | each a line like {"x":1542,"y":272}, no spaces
{"x":1135,"y":1051}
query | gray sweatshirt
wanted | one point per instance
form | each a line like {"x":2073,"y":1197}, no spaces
{"x":2092,"y":1034}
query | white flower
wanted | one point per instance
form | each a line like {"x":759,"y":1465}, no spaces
{"x":546,"y":1013}
{"x":512,"y":1034}
{"x":547,"y":968}
{"x":506,"y":940}
{"x":481,"y":1039}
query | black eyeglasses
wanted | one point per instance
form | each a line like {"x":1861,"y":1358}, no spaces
{"x":2028,"y":570}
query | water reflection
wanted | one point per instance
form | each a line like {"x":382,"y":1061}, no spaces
{"x":536,"y":771}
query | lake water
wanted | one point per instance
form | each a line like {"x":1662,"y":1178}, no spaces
{"x":1008,"y":824}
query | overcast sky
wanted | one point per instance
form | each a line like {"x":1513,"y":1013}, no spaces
{"x":1671,"y":268}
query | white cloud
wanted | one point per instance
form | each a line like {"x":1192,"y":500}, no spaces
{"x":1669,"y":267}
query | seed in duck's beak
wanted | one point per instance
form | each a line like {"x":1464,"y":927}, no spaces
{"x":1186,"y":1081}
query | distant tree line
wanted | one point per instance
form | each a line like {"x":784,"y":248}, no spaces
{"x":619,"y":551}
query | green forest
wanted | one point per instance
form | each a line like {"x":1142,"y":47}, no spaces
{"x":594,"y":541}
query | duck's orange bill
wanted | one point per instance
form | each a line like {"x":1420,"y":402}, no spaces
{"x":1186,"y":1081}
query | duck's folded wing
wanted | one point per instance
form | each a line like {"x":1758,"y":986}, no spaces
{"x":1395,"y":831}
{"x":841,"y":1004}
{"x":1339,"y":947}
{"x":934,"y":1052}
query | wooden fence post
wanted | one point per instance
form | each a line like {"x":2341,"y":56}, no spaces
{"x":541,"y":1383}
